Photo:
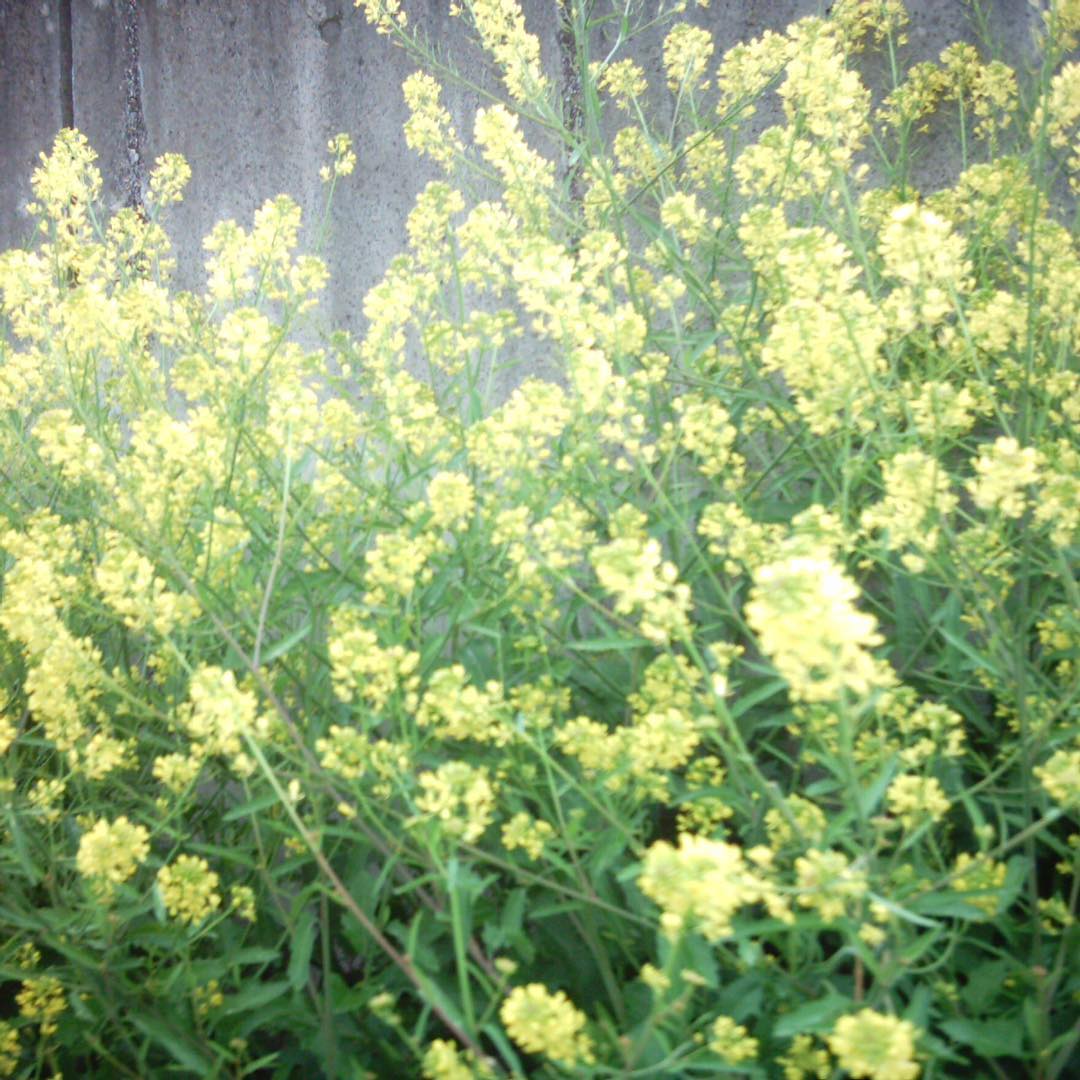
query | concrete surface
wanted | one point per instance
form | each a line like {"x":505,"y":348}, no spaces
{"x":250,"y":90}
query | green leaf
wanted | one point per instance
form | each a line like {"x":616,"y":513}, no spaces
{"x":997,"y":1038}
{"x":743,"y":703}
{"x":947,"y":905}
{"x":280,"y":648}
{"x":984,"y":983}
{"x":814,"y":1016}
{"x":254,"y":997}
{"x":607,"y":644}
{"x":249,"y":809}
{"x":303,"y":940}
{"x":183,"y":1052}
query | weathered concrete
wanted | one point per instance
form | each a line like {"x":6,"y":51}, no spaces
{"x":31,"y":109}
{"x":250,"y":91}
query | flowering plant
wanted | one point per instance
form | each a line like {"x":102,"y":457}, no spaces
{"x":707,"y":707}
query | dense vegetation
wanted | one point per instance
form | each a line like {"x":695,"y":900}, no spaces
{"x":710,"y":708}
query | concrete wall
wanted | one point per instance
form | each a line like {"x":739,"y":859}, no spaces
{"x":250,"y":90}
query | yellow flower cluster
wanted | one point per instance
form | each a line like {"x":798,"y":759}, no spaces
{"x":218,"y":714}
{"x":501,"y":26}
{"x":344,"y":158}
{"x":429,"y":129}
{"x":1060,"y":776}
{"x":828,"y":883}
{"x":361,"y":667}
{"x":9,"y":1048}
{"x":110,"y":852}
{"x":687,"y":52}
{"x":632,"y":569}
{"x":527,"y":833}
{"x":1002,"y":472}
{"x":875,"y":1046}
{"x":387,"y":16}
{"x":916,"y":800}
{"x":980,"y":879}
{"x":443,"y":1060}
{"x":916,"y":497}
{"x":802,"y":610}
{"x":541,"y":1022}
{"x":460,"y":797}
{"x":41,"y":1000}
{"x":732,"y":1041}
{"x":701,"y":885}
{"x":454,"y":709}
{"x":188,"y":889}
{"x":921,"y":252}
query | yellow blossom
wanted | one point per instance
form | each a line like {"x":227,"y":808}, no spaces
{"x":701,"y":884}
{"x":188,"y":889}
{"x":541,"y":1022}
{"x":801,"y":609}
{"x":41,"y":1000}
{"x":732,"y":1041}
{"x":110,"y":852}
{"x":875,"y":1046}
{"x":916,"y":799}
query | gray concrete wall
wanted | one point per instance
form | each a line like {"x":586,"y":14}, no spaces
{"x":250,"y":90}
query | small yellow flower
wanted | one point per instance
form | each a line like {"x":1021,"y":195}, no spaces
{"x":189,"y":889}
{"x":41,"y":1000}
{"x":9,"y":1049}
{"x":875,"y":1046}
{"x":444,"y":1061}
{"x":109,"y":853}
{"x":528,"y":833}
{"x":1060,"y":776}
{"x":544,"y":1023}
{"x":915,"y":799}
{"x":803,"y":1060}
{"x":732,"y":1041}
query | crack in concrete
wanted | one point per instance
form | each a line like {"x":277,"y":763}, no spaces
{"x":134,"y":120}
{"x":571,"y":94}
{"x":67,"y":66}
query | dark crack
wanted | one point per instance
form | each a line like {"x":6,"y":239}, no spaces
{"x":67,"y":61}
{"x":571,"y":94}
{"x":134,"y":121}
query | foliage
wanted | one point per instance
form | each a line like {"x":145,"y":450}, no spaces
{"x":707,"y":708}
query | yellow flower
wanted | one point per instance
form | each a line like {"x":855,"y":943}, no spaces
{"x":802,"y":610}
{"x":9,"y":1049}
{"x":344,"y":158}
{"x":455,"y":709}
{"x":875,"y":1046}
{"x":624,"y":81}
{"x":804,"y":1060}
{"x":980,"y":879}
{"x":732,"y":1041}
{"x":1061,"y":778}
{"x":687,"y":52}
{"x":444,"y":1061}
{"x":501,"y":26}
{"x":702,"y":883}
{"x":188,"y":889}
{"x":544,"y":1023}
{"x":826,"y":880}
{"x":386,"y":16}
{"x":460,"y":797}
{"x":429,"y":129}
{"x":1002,"y":472}
{"x":915,"y":799}
{"x":526,"y":832}
{"x":109,"y":853}
{"x":41,"y":1000}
